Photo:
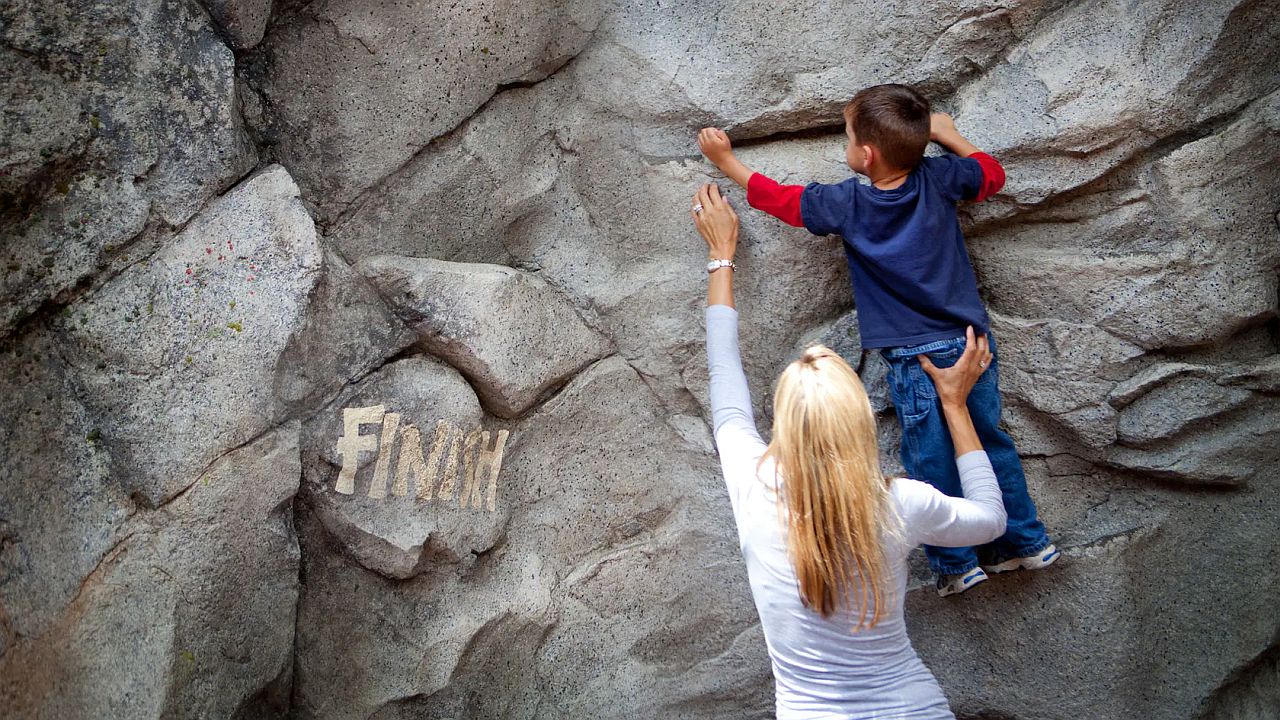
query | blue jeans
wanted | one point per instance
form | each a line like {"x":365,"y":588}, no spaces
{"x":928,"y":455}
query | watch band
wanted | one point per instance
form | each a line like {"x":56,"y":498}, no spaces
{"x":715,"y":265}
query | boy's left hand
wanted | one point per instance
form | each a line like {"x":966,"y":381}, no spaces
{"x":714,"y":144}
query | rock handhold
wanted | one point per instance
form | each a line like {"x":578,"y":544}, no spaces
{"x":1262,"y":376}
{"x":243,"y":22}
{"x":347,"y":333}
{"x":1060,"y":372}
{"x":507,"y":331}
{"x":1172,"y":407}
{"x":1150,"y":378}
{"x":399,"y":441}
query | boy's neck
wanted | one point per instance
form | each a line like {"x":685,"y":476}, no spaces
{"x":887,"y":178}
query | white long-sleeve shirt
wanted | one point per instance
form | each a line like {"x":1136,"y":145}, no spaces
{"x":821,"y":667}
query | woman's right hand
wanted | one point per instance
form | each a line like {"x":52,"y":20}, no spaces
{"x":954,"y":383}
{"x":718,"y":225}
{"x":716,"y":221}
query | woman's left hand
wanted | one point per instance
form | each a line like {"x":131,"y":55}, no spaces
{"x":954,"y":383}
{"x":716,"y":221}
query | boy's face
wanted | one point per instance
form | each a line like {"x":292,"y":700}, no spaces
{"x":854,"y":154}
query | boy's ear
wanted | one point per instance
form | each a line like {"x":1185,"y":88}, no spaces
{"x":871,"y":153}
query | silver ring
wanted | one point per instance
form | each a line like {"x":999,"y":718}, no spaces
{"x":697,"y":208}
{"x":982,"y":365}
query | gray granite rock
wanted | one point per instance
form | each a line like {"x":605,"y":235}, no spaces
{"x":622,"y":243}
{"x":1175,"y":406}
{"x":406,"y":75}
{"x":116,"y":116}
{"x":1262,"y":376}
{"x":184,"y":346}
{"x":243,"y":22}
{"x":189,"y":613}
{"x":1080,"y":96}
{"x":1113,"y":610}
{"x":524,"y":172}
{"x":1150,"y":377}
{"x":779,"y":68}
{"x":1254,"y":693}
{"x":1169,"y":264}
{"x":470,"y":198}
{"x":346,"y":333}
{"x":391,"y":518}
{"x":61,"y":511}
{"x":1230,"y":448}
{"x":552,"y":609}
{"x":1065,"y":373}
{"x":509,"y":332}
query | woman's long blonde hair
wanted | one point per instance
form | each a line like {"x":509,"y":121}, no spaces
{"x":837,"y":504}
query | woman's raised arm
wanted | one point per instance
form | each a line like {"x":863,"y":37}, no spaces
{"x":733,"y":422}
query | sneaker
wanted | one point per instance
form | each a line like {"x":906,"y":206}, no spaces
{"x":1040,"y":560}
{"x":953,"y":584}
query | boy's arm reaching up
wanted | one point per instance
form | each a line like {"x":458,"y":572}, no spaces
{"x":942,"y":130}
{"x":714,"y":144}
{"x":763,"y":193}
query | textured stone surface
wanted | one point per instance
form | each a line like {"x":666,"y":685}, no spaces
{"x":184,"y":345}
{"x":398,"y":534}
{"x":242,"y":21}
{"x":1253,"y":695}
{"x":507,"y":331}
{"x":397,"y":76}
{"x":581,"y":594}
{"x":1177,"y":263}
{"x":1129,"y":617}
{"x":503,"y":247}
{"x":117,"y":117}
{"x":189,"y":613}
{"x":59,"y":508}
{"x":346,"y":333}
{"x":469,"y":198}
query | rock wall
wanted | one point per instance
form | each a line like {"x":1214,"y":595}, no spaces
{"x":352,"y":351}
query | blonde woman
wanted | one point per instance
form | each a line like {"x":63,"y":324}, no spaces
{"x":824,"y":533}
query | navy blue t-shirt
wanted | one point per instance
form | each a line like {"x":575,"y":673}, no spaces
{"x":912,"y":279}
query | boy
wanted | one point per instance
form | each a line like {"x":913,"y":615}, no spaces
{"x":915,"y":293}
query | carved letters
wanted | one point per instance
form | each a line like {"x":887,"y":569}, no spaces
{"x":461,"y":464}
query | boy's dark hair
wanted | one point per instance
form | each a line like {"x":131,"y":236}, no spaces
{"x":894,"y":118}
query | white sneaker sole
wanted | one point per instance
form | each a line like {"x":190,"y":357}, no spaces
{"x":1038,"y":561}
{"x":956,"y":587}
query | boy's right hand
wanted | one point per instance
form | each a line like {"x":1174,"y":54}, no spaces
{"x":715,"y":145}
{"x":941,"y":125}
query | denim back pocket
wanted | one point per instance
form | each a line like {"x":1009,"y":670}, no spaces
{"x":921,"y":383}
{"x":907,"y":380}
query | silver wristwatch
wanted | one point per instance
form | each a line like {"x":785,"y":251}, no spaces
{"x":715,"y":265}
